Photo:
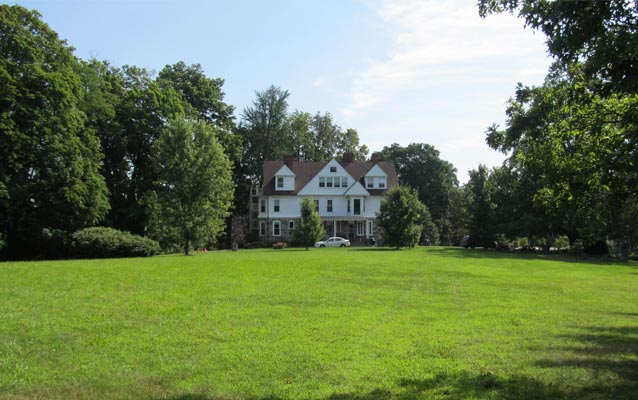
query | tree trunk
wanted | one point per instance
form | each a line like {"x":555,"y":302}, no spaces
{"x":187,"y":247}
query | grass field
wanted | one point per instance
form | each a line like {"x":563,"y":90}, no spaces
{"x":321,"y":324}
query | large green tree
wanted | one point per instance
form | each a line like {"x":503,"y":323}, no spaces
{"x":480,"y":208}
{"x":419,"y":166}
{"x":49,"y":167}
{"x":264,"y":129}
{"x":401,"y":217}
{"x":309,"y":229}
{"x":575,"y":136}
{"x":194,"y":187}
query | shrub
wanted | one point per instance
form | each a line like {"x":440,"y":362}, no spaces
{"x":279,"y":245}
{"x":109,"y":243}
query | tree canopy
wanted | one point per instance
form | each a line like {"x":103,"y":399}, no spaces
{"x":194,"y":188}
{"x":401,"y":217}
{"x":572,"y":141}
{"x":50,"y":170}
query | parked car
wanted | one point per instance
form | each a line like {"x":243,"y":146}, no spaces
{"x":333,"y":242}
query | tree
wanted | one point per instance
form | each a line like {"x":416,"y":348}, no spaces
{"x":420,"y":167}
{"x":575,"y":135}
{"x":481,"y":207}
{"x":264,"y":129}
{"x":309,"y":229}
{"x":49,"y":170}
{"x":203,"y":99}
{"x":194,"y":189}
{"x":401,"y":217}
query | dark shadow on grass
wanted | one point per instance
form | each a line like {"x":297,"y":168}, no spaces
{"x":459,"y":252}
{"x":605,"y":352}
{"x":197,"y":396}
{"x":465,"y":385}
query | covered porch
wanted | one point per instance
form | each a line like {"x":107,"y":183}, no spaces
{"x":357,"y":230}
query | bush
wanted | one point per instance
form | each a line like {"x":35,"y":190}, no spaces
{"x":110,"y":243}
{"x":279,"y":245}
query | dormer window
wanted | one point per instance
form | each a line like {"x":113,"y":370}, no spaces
{"x":382,"y":184}
{"x":280,"y":182}
{"x":369,"y":182}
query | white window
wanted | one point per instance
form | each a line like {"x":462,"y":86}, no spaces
{"x":344,"y":181}
{"x":370,"y":228}
{"x":316,"y":205}
{"x":329,"y":181}
{"x":333,"y":169}
{"x":276,"y":206}
{"x":291,"y":225}
{"x":382,"y":184}
{"x":322,"y":181}
{"x":361,"y":227}
{"x":262,"y":228}
{"x":337,"y":181}
{"x":280,"y":182}
{"x":276,"y":228}
{"x":369,"y":182}
{"x":262,"y":205}
{"x":329,"y":206}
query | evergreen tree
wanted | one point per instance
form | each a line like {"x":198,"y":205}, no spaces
{"x":309,"y":230}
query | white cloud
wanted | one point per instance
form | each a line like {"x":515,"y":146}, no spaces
{"x":438,"y":42}
{"x":445,"y":79}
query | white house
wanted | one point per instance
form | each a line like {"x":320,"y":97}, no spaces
{"x":346,"y":193}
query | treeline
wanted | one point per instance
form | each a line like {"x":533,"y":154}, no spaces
{"x":572,"y":143}
{"x":161,"y":155}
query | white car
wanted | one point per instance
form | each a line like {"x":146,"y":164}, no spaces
{"x":333,"y":242}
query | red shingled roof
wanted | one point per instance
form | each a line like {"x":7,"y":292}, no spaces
{"x":305,"y":171}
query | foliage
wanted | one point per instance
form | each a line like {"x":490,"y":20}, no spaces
{"x":420,"y":167}
{"x":270,"y":133}
{"x":602,"y":34}
{"x":309,"y":230}
{"x":103,"y":242}
{"x":480,"y":208}
{"x":428,"y":323}
{"x":264,"y":129}
{"x":401,"y":217}
{"x":50,"y":173}
{"x":573,"y":139}
{"x":194,"y":189}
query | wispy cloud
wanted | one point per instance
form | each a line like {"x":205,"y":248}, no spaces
{"x":436,"y":43}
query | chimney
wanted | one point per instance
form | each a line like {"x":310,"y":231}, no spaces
{"x":288,"y":160}
{"x":348,"y":157}
{"x":375,"y":157}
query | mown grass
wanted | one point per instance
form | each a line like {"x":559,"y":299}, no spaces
{"x":322,"y":324}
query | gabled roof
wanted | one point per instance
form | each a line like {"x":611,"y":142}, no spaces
{"x":305,"y":171}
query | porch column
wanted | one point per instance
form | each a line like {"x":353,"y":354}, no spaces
{"x":334,"y":227}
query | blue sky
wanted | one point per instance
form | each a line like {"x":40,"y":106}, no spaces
{"x":399,"y":71}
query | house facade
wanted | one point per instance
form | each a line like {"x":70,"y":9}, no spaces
{"x":346,"y":193}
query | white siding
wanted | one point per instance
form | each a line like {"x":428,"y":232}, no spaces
{"x":289,"y":206}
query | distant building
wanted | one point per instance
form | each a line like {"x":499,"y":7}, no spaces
{"x":347,"y":195}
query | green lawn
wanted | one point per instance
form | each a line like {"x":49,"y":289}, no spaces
{"x":357,"y":323}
